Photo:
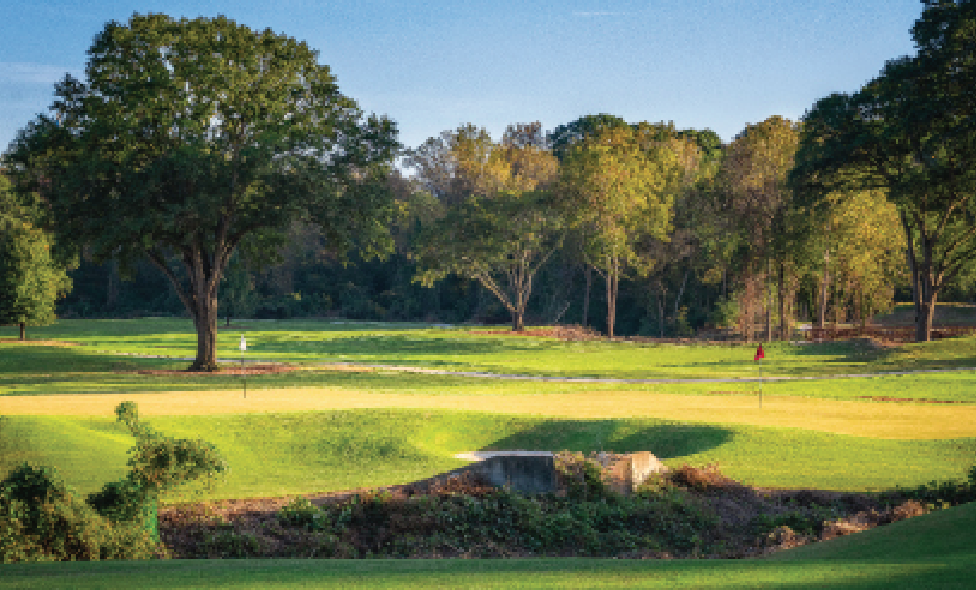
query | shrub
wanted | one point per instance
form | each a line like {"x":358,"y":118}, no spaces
{"x":302,"y":513}
{"x":582,"y":478}
{"x":42,"y":520}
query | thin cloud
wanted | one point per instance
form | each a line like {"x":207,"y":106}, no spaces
{"x":597,"y":13}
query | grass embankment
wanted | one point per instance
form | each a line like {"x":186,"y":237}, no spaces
{"x":930,"y":552}
{"x":306,"y":453}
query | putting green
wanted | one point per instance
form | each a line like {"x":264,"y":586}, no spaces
{"x":869,"y":419}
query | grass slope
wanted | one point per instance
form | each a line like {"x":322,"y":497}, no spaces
{"x":312,"y":452}
{"x":945,"y":534}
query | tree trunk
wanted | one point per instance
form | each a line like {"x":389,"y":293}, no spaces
{"x":928,"y":293}
{"x":205,"y":321}
{"x":612,"y":278}
{"x":23,"y":331}
{"x":783,"y":323}
{"x":660,"y":309}
{"x":923,"y":329}
{"x":518,"y":323}
{"x":822,"y":316}
{"x":924,"y":288}
{"x":767,"y":305}
{"x":588,"y":273}
{"x":200,"y":296}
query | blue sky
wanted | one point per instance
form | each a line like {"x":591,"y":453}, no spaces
{"x":434,"y":65}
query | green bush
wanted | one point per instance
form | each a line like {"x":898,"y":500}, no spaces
{"x":499,"y":523}
{"x":42,"y":520}
{"x":302,"y":513}
{"x":943,"y":492}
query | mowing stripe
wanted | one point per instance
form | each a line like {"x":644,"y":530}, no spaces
{"x":869,"y":419}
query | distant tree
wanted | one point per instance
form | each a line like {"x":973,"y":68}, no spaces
{"x":564,"y":137}
{"x":753,"y":182}
{"x":867,"y":252}
{"x":502,"y":229}
{"x":617,"y":188}
{"x":32,"y":278}
{"x":671,"y":261}
{"x":192,"y":135}
{"x":240,"y":298}
{"x":438,"y":162}
{"x":910,"y":132}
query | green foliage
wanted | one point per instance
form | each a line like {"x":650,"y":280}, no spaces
{"x":302,"y":513}
{"x":494,"y":222}
{"x":156,"y":464}
{"x":189,"y":138}
{"x":910,"y":132}
{"x":32,"y":279}
{"x":43,"y":520}
{"x":501,"y":523}
{"x":582,"y":477}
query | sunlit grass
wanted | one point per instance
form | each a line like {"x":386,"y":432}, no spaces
{"x":461,"y":349}
{"x":311,"y":452}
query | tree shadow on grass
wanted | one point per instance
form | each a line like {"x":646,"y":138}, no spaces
{"x":665,"y":440}
{"x":874,"y":358}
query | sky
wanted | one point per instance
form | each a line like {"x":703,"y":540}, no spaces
{"x":433,"y":66}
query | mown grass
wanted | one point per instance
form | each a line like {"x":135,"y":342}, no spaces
{"x":308,"y":452}
{"x":312,"y":452}
{"x":464,"y":349}
{"x":931,"y":552}
{"x":509,"y":573}
{"x":44,"y":370}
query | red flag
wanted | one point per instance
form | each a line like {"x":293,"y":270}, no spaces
{"x":759,"y":354}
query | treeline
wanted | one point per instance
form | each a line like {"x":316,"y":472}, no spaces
{"x":628,"y":228}
{"x":702,"y":237}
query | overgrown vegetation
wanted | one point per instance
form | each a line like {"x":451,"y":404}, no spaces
{"x":691,"y":512}
{"x":42,"y":519}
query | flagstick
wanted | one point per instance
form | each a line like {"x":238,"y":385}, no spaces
{"x":760,"y":384}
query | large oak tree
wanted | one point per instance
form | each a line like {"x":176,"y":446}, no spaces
{"x":191,"y":137}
